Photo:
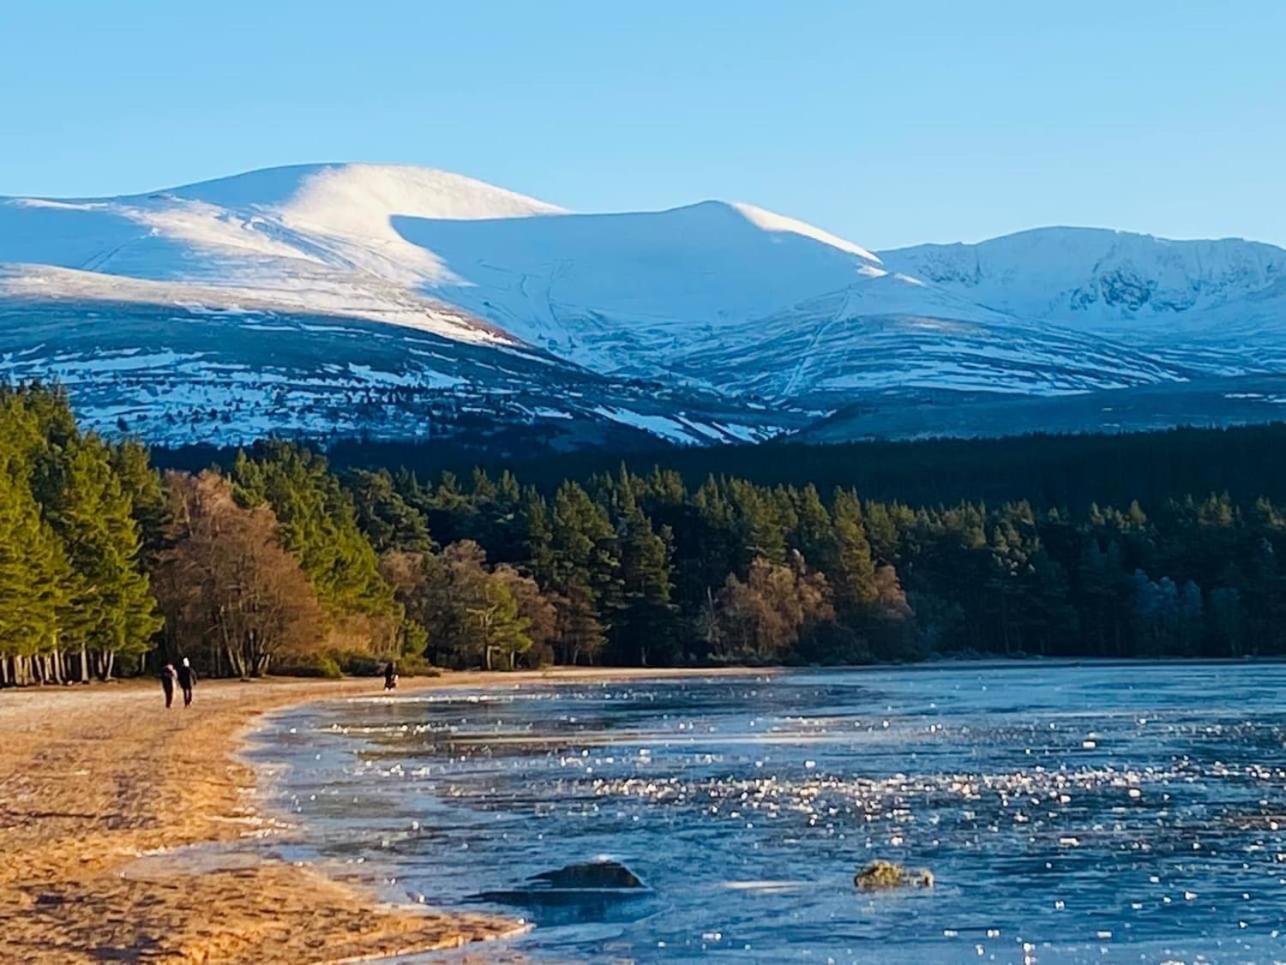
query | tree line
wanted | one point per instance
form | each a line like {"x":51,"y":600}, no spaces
{"x":109,"y":567}
{"x":1068,"y":471}
{"x":274,"y":562}
{"x":644,"y":569}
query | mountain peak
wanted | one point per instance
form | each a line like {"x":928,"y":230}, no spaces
{"x":506,"y":292}
{"x":314,"y":192}
{"x":1095,"y":276}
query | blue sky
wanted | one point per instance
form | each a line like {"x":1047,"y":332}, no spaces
{"x":888,"y":123}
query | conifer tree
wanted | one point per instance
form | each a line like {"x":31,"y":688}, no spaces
{"x":110,"y":611}
{"x":583,"y":549}
{"x":645,"y":625}
{"x":537,"y":536}
{"x":760,"y":527}
{"x":142,"y":485}
{"x":580,"y":633}
{"x":318,"y":525}
{"x":388,"y":520}
{"x":853,"y":573}
{"x":814,"y":535}
{"x":33,"y":576}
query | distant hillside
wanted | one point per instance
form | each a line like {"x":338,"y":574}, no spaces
{"x":357,"y":300}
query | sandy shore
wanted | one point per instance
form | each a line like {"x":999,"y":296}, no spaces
{"x":93,"y":777}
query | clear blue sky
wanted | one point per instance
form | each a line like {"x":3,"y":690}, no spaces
{"x":889,"y":123}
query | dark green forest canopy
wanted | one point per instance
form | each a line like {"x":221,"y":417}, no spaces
{"x":1160,"y":544}
{"x":1065,"y":471}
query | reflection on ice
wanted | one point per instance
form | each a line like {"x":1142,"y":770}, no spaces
{"x":1067,"y":812}
{"x":765,"y":887}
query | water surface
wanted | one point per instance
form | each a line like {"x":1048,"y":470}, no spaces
{"x":1070,"y":813}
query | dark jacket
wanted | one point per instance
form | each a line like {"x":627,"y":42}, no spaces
{"x":187,"y":677}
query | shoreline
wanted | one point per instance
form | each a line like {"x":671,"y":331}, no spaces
{"x":100,"y":785}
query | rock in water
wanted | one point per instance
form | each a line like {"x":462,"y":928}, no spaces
{"x":591,"y":874}
{"x":597,"y":891}
{"x":886,"y":874}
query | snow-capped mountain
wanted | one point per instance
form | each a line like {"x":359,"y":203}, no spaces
{"x":362,"y":299}
{"x":314,"y":238}
{"x":1094,"y":279}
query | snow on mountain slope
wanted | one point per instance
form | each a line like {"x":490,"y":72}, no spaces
{"x":308,"y":238}
{"x":344,"y":213}
{"x":187,"y":374}
{"x":828,"y":355}
{"x":1089,"y":277}
{"x":790,"y":313}
{"x":432,"y":296}
{"x":631,"y":292}
{"x":338,"y":196}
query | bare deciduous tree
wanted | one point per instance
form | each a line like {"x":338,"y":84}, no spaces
{"x":762,"y":618}
{"x":233,"y":596}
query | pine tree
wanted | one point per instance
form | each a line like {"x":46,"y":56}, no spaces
{"x":645,"y":625}
{"x":759,"y":522}
{"x":580,"y":633}
{"x":319,"y":526}
{"x":388,"y":521}
{"x":33,"y":575}
{"x":814,"y":535}
{"x":583,"y":549}
{"x":142,"y":485}
{"x":533,"y":517}
{"x":853,"y":573}
{"x":110,"y":610}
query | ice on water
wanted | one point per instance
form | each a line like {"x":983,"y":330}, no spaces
{"x":1068,"y":813}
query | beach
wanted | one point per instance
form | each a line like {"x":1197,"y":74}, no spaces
{"x":95,"y":778}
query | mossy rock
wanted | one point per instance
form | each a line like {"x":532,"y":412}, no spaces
{"x":886,"y":874}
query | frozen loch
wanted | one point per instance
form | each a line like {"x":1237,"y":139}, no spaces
{"x":1068,"y":813}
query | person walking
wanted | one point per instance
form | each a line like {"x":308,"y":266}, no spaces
{"x":390,"y":676}
{"x":168,"y":676}
{"x":187,"y":680}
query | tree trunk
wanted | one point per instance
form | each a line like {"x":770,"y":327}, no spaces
{"x":235,"y":667}
{"x":103,"y":662}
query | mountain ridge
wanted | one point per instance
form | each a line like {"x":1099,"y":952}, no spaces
{"x":748,"y":323}
{"x":1098,"y":272}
